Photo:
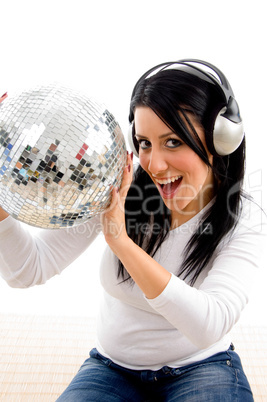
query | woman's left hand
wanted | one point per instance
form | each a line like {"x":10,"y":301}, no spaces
{"x":148,"y":274}
{"x":113,"y":219}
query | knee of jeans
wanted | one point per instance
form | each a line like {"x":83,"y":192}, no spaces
{"x":84,"y":365}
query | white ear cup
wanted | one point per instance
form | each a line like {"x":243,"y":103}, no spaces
{"x":227,"y":135}
{"x":131,"y":141}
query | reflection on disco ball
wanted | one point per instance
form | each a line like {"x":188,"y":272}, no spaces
{"x":60,"y":153}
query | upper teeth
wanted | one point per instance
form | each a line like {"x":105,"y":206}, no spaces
{"x":166,"y":181}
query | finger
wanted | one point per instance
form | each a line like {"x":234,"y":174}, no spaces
{"x":114,"y":198}
{"x":3,"y":97}
{"x":127,"y":176}
{"x":113,"y":201}
{"x":129,"y":158}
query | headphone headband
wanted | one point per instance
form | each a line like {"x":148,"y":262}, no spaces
{"x":228,"y":130}
{"x":221,"y":80}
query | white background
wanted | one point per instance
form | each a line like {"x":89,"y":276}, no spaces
{"x":102,"y":47}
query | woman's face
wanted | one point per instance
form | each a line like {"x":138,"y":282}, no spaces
{"x":184,"y":181}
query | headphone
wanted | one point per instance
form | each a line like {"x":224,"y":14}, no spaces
{"x":228,"y":130}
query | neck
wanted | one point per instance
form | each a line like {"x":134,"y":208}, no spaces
{"x":178,"y":218}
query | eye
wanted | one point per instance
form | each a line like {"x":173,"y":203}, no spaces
{"x":144,"y":144}
{"x":173,"y":143}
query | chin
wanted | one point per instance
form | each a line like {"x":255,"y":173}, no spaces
{"x":187,"y":208}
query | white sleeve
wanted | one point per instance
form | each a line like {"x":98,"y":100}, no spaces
{"x":206,"y":314}
{"x":27,"y":260}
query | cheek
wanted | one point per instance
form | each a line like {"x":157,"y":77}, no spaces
{"x":194,"y":169}
{"x":144,"y":161}
{"x":185,"y":162}
{"x":199,"y":174}
{"x":191,"y":161}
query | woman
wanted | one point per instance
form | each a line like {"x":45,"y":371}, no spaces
{"x":183,"y":247}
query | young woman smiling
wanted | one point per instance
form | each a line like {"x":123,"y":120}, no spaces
{"x":184,"y":181}
{"x":183,"y":247}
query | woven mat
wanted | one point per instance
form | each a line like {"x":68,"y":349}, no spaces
{"x":251,"y":345}
{"x":40,"y":355}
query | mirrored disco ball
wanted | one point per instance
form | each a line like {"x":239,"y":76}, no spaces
{"x":60,"y":153}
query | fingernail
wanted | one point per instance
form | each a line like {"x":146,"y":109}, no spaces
{"x":3,"y":97}
{"x":117,"y":189}
{"x":129,"y":168}
{"x":132,"y":155}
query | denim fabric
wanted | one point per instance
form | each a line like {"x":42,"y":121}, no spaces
{"x":219,"y":378}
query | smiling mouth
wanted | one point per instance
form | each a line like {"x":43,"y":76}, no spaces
{"x":168,"y":187}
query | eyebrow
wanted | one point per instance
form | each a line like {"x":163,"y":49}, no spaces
{"x":161,"y":136}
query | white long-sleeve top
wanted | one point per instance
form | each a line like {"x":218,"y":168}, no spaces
{"x":183,"y":324}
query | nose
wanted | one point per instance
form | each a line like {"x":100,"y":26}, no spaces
{"x":157,"y":162}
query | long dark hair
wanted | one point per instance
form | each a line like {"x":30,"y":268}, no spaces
{"x":173,"y":95}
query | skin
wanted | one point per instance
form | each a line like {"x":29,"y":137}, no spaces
{"x":163,"y":155}
{"x":3,"y":214}
{"x":150,"y":276}
{"x":159,"y":159}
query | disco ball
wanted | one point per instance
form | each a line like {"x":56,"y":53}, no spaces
{"x":60,"y":154}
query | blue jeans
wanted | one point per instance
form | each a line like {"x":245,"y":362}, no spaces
{"x":219,"y":378}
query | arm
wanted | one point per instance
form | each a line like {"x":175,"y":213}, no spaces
{"x":150,"y":276}
{"x":206,"y":314}
{"x":27,"y":260}
{"x":203,"y":315}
